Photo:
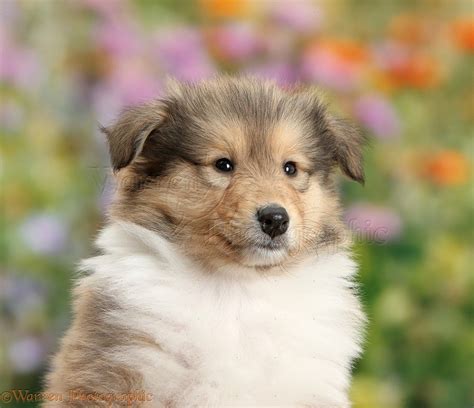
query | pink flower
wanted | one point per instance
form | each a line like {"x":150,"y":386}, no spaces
{"x":181,"y":53}
{"x":119,"y":38}
{"x":281,"y":72}
{"x":378,"y":115}
{"x":44,"y":234}
{"x":134,"y":82}
{"x":237,"y":41}
{"x":298,"y":15}
{"x":335,"y":63}
{"x":377,"y":224}
{"x":131,"y":82}
{"x":326,"y":69}
{"x":18,"y":65}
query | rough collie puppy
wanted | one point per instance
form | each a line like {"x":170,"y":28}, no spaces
{"x":224,"y":278}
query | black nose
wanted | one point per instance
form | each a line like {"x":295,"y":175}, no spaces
{"x":273,"y":219}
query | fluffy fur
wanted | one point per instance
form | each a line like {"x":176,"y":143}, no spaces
{"x":189,"y":300}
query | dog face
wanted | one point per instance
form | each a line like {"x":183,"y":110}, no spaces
{"x":234,"y":170}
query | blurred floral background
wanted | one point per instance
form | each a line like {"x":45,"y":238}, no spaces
{"x":401,"y":69}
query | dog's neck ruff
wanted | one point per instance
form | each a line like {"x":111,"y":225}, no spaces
{"x":280,"y":340}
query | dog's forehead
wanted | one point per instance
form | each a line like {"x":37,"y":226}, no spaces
{"x":253,"y":139}
{"x":260,"y":123}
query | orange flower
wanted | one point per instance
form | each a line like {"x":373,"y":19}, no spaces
{"x":334,"y":63}
{"x":447,"y":168}
{"x":224,"y":8}
{"x":347,"y":50}
{"x":411,"y":29}
{"x":416,"y":70}
{"x":463,"y":34}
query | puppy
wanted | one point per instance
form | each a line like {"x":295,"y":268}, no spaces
{"x":225,"y":277}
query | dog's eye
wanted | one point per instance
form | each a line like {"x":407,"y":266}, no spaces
{"x":224,"y":165}
{"x":290,"y":168}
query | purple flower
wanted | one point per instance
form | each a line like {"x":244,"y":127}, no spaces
{"x":26,"y":354}
{"x":281,"y":72}
{"x":377,"y":224}
{"x":21,"y":296}
{"x":237,"y":41}
{"x":181,"y":53}
{"x":297,"y":15}
{"x":44,"y":234}
{"x":378,"y":115}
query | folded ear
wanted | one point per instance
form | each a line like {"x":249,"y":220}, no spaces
{"x":127,"y":136}
{"x":348,"y":148}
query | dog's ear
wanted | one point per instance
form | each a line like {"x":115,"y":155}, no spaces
{"x":348,"y":144}
{"x":127,"y":136}
{"x":343,"y":142}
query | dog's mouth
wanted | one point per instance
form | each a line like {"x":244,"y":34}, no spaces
{"x":271,"y":246}
{"x":263,"y":244}
{"x":258,"y":252}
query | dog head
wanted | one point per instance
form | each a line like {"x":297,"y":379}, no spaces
{"x":234,"y":170}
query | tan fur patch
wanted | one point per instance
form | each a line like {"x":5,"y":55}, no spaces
{"x":82,"y":364}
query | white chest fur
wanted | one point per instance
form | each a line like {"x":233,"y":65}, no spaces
{"x":232,"y":339}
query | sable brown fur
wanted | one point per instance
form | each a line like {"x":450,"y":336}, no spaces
{"x":163,"y":156}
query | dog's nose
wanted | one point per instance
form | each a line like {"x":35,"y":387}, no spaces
{"x":273,"y":219}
